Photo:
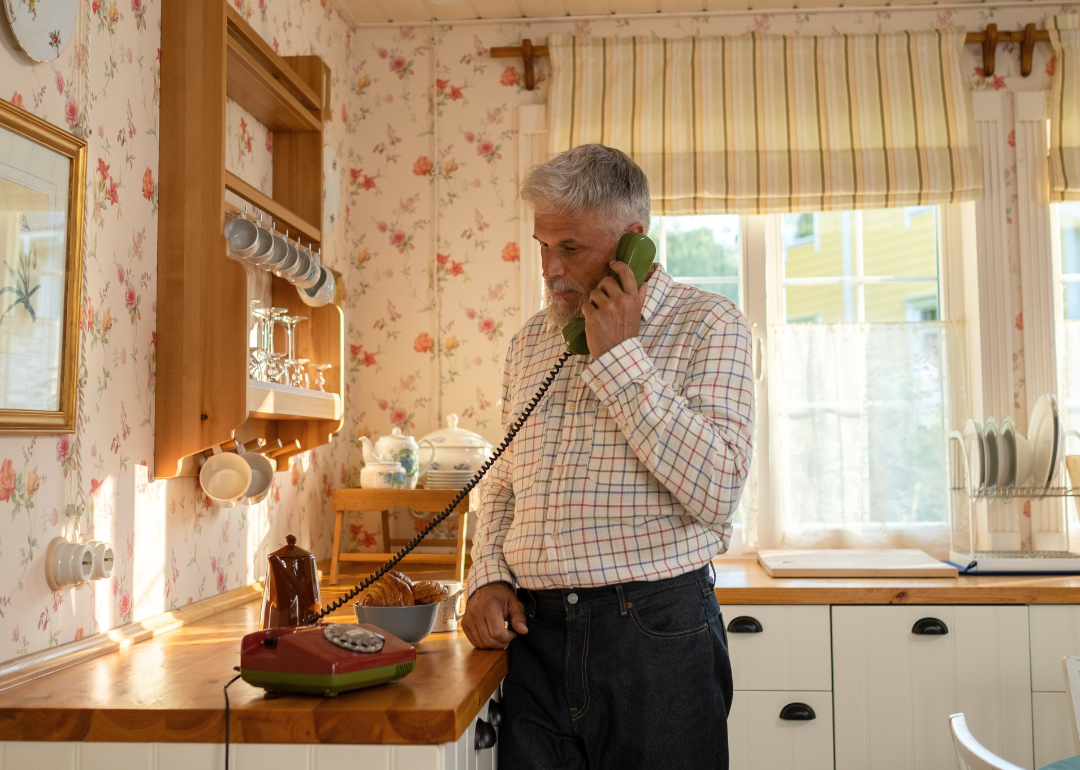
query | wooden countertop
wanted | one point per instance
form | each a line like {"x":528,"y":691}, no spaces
{"x":169,"y":690}
{"x":745,"y":582}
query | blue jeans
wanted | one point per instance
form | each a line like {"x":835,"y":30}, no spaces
{"x":624,"y":676}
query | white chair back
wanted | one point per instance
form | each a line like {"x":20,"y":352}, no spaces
{"x":972,"y":755}
{"x":1071,"y":665}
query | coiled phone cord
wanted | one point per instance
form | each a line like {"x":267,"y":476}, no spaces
{"x":519,"y":423}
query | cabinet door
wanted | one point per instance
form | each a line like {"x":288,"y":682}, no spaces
{"x":894,"y":689}
{"x":791,"y":652}
{"x":758,"y":738}
{"x":1055,"y":734}
{"x":1055,"y":634}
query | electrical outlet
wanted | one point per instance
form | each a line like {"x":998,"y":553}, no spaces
{"x":72,"y":564}
{"x":67,"y":564}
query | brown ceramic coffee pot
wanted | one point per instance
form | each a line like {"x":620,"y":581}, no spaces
{"x":291,"y":591}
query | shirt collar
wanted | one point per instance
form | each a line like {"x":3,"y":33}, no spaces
{"x":659,"y":285}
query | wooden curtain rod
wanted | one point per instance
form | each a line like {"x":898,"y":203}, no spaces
{"x":989,"y":40}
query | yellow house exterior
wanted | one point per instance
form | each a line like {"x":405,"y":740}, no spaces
{"x":899,"y":243}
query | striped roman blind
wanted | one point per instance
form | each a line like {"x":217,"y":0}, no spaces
{"x":765,"y":124}
{"x":1065,"y":108}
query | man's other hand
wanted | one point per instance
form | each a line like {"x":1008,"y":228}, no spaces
{"x":487,"y":614}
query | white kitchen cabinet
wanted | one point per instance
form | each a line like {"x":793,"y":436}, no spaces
{"x":1055,"y":634}
{"x":758,"y":738}
{"x":1054,"y":734}
{"x":893,"y":689}
{"x":791,"y":652}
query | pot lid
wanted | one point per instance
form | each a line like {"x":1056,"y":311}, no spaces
{"x":453,"y":436}
{"x":291,"y":550}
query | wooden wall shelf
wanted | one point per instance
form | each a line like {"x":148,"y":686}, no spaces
{"x":204,"y":396}
{"x":248,"y":84}
{"x":280,"y":402}
{"x":284,"y":220}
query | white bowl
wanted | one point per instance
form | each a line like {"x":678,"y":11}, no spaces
{"x":409,"y":624}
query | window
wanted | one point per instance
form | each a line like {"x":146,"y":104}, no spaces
{"x":1068,"y":218}
{"x":702,"y":251}
{"x":856,"y":395}
{"x":859,"y":385}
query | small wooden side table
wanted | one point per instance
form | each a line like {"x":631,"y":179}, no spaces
{"x":419,"y":500}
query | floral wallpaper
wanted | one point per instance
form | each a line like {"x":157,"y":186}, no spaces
{"x":423,"y":127}
{"x":172,"y":547}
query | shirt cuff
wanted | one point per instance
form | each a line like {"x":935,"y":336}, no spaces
{"x":489,"y":571}
{"x":618,"y":368}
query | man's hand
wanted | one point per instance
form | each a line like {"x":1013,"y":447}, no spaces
{"x":487,"y":613}
{"x":613,"y":310}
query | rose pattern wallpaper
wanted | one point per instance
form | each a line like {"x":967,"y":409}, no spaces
{"x":424,"y":128}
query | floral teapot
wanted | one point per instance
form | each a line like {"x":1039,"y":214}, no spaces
{"x":398,"y":448}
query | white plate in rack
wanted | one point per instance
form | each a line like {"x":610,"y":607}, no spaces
{"x":1042,"y":433}
{"x":1006,"y":453}
{"x":973,"y":439}
{"x":990,"y":446}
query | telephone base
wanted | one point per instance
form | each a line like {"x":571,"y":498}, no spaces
{"x":300,"y":659}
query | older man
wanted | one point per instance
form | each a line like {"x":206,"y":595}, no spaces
{"x":614,"y":497}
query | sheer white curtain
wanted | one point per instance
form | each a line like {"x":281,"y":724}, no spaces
{"x":862,"y":411}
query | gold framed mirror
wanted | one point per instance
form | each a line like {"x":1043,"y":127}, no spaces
{"x":42,"y":202}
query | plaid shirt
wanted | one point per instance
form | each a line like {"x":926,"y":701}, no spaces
{"x":632,"y":465}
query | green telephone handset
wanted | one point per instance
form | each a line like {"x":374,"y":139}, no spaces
{"x":636,"y":250}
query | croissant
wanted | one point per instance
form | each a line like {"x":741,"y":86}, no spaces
{"x":381,"y":593}
{"x":429,"y":592}
{"x":391,"y":590}
{"x":403,"y":586}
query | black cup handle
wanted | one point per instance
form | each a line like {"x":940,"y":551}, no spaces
{"x":797,"y":712}
{"x":485,"y":735}
{"x":929,"y":627}
{"x":744,"y":624}
{"x":495,"y":714}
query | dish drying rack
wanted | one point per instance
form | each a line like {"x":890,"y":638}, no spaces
{"x":1045,"y":560}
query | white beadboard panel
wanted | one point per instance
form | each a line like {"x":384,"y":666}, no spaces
{"x":272,"y":756}
{"x":682,"y":6}
{"x":188,"y":756}
{"x":328,"y":757}
{"x":1054,"y":738}
{"x":791,"y":653}
{"x":496,"y":9}
{"x":1036,"y":269}
{"x":759,"y":739}
{"x":54,"y":755}
{"x":991,"y":354}
{"x":894,"y":690}
{"x":114,"y":756}
{"x":416,"y":758}
{"x":1055,"y":634}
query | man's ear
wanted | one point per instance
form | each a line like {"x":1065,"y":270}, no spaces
{"x":637,"y":227}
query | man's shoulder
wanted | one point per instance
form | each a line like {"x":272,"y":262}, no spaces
{"x":686,"y":303}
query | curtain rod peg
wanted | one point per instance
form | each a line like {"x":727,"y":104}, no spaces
{"x":989,"y":49}
{"x":527,"y":55}
{"x":1027,"y":50}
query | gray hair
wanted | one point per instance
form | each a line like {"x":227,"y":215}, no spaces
{"x":591,"y":177}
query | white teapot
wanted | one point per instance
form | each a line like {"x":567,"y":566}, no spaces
{"x":457,"y":449}
{"x":401,"y":449}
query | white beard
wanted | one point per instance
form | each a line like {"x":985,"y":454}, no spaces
{"x":557,"y":316}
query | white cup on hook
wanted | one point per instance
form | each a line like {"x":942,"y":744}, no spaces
{"x":262,"y":476}
{"x":225,"y":477}
{"x":243,"y":236}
